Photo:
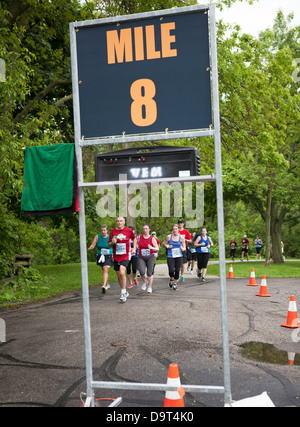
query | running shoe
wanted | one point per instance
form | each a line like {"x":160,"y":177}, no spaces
{"x":149,"y":290}
{"x":136,"y":282}
{"x":144,"y":286}
{"x":124,"y":296}
{"x":171,"y":283}
{"x":130,"y":286}
{"x":105,"y":288}
{"x":175,"y":287}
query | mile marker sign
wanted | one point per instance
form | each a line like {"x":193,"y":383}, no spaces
{"x":145,"y":73}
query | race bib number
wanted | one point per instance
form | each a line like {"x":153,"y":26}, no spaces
{"x":104,"y":251}
{"x":145,"y":252}
{"x":204,"y":249}
{"x":176,"y":253}
{"x":120,"y":248}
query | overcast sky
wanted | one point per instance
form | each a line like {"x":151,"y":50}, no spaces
{"x":260,"y":15}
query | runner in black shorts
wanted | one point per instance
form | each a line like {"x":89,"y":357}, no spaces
{"x":104,"y":254}
{"x":191,"y":254}
{"x":203,"y":244}
{"x":119,"y":239}
{"x":131,"y":269}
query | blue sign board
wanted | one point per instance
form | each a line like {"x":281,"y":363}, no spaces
{"x":144,"y":76}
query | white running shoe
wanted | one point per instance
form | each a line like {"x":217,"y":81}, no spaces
{"x":144,"y":286}
{"x":124,"y":296}
{"x":149,"y":290}
{"x":105,"y":288}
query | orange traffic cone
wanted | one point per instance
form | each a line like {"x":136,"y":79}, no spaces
{"x":252,"y":279}
{"x":291,"y":357}
{"x":292,"y":317}
{"x":263,"y":292}
{"x":174,"y":398}
{"x":230,"y":274}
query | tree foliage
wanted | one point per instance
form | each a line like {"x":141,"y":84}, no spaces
{"x":260,"y":122}
{"x":259,"y":113}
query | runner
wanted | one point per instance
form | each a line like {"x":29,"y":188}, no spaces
{"x":104,"y":254}
{"x":132,"y":266}
{"x":258,"y":244}
{"x":233,"y":246}
{"x":147,"y":248}
{"x":158,"y":244}
{"x":203,"y":244}
{"x":188,"y":239}
{"x":119,"y":239}
{"x":245,"y":246}
{"x":175,"y":244}
{"x":191,"y":254}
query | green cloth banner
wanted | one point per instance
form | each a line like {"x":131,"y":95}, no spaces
{"x":48,"y":178}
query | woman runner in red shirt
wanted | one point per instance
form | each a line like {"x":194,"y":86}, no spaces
{"x":147,"y":247}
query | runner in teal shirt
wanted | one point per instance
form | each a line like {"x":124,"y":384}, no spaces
{"x":104,"y":254}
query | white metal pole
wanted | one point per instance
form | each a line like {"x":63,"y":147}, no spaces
{"x":220,"y":207}
{"x":82,"y":229}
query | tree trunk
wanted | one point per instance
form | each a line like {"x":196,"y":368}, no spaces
{"x":268,"y":224}
{"x":277,"y":219}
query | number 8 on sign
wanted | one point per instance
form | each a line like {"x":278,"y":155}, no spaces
{"x":143,"y":107}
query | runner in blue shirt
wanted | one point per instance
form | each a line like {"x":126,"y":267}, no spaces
{"x":258,"y":244}
{"x":203,"y":244}
{"x":175,"y":243}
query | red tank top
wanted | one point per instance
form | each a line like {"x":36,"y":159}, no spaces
{"x":143,"y":246}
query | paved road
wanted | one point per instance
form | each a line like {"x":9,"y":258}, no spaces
{"x":43,"y":362}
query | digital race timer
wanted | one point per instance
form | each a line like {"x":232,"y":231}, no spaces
{"x":150,"y":162}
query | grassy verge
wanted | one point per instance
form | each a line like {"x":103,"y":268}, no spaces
{"x":243,"y":269}
{"x":51,"y":280}
{"x":47,"y":281}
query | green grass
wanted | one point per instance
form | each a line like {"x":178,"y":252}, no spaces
{"x":243,"y":269}
{"x":67,"y":277}
{"x":47,"y":281}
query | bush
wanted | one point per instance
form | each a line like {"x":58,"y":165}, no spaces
{"x":17,"y":236}
{"x":29,"y":283}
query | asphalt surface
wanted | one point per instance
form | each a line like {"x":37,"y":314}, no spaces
{"x":42,"y":362}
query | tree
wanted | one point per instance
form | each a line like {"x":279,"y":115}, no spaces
{"x":35,"y":107}
{"x":35,"y":48}
{"x":260,"y":121}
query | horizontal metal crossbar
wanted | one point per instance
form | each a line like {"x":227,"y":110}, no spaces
{"x":166,"y":136}
{"x":156,"y":387}
{"x":149,"y":181}
{"x":137,"y":16}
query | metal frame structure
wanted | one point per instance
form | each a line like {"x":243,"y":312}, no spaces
{"x":217,"y":177}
